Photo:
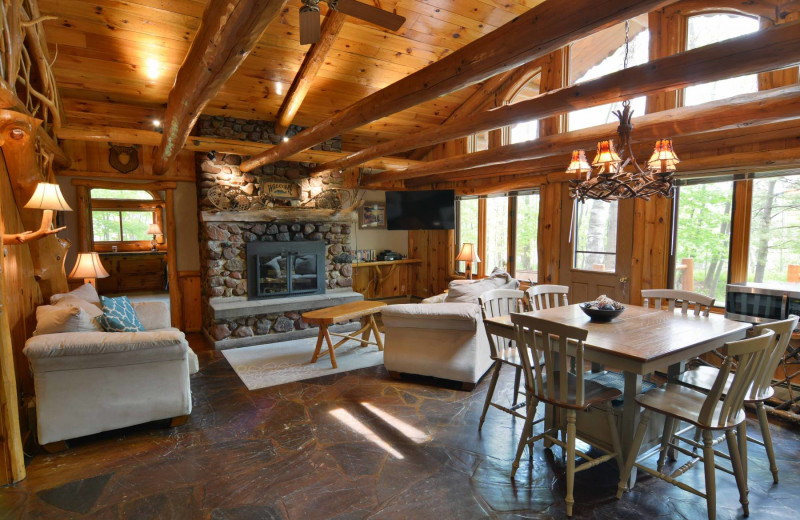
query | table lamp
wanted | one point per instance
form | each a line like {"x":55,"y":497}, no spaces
{"x":89,"y":267}
{"x":468,"y":255}
{"x":154,"y":229}
{"x":48,"y":198}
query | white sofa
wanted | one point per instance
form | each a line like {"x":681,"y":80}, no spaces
{"x":445,"y":340}
{"x":89,"y":382}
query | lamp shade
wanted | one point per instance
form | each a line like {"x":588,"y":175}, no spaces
{"x":154,"y":229}
{"x":88,"y":265}
{"x":606,"y":155}
{"x":48,"y":196}
{"x":579,"y":164}
{"x":468,"y":253}
{"x":664,"y":158}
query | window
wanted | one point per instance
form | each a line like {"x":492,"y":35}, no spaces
{"x":526,"y":256}
{"x":774,"y":254}
{"x":595,"y":236}
{"x":122,"y":216}
{"x":712,"y":28}
{"x":467,"y":228}
{"x":496,"y":249}
{"x":603,"y":53}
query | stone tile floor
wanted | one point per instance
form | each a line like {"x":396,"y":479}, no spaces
{"x":354,"y":445}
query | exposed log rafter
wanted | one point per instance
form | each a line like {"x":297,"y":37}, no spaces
{"x":228,"y":32}
{"x":747,"y":109}
{"x":315,"y":58}
{"x":539,"y":31}
{"x":759,"y":52}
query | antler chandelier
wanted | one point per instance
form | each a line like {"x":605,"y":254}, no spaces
{"x":619,"y":176}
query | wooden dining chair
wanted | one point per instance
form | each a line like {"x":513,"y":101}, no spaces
{"x":541,"y":297}
{"x":659,"y":298}
{"x":709,"y":413}
{"x":702,"y":379}
{"x":544,"y":343}
{"x":501,"y":302}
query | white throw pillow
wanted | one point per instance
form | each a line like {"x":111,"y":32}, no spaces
{"x":153,"y":315}
{"x":469,"y":292}
{"x":85,"y":292}
{"x":70,"y":300}
{"x":52,"y":319}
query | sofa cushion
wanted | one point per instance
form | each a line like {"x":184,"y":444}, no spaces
{"x":153,"y":315}
{"x":54,"y":319}
{"x":119,"y":316}
{"x":85,"y":292}
{"x":91,"y":309}
{"x":446,"y":316}
{"x":469,"y":292}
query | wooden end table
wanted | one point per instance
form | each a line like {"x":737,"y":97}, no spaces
{"x":364,"y":310}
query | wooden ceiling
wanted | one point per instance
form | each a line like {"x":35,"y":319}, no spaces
{"x":117,"y":60}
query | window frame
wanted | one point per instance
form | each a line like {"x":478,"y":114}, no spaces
{"x":155,"y":206}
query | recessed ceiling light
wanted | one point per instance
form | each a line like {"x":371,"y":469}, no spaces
{"x":279,"y":88}
{"x":152,"y":68}
{"x":285,"y":139}
{"x":156,"y":123}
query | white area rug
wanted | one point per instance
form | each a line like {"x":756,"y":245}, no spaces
{"x":262,"y":366}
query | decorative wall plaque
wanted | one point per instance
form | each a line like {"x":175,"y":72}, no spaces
{"x":124,"y":159}
{"x":280,"y":190}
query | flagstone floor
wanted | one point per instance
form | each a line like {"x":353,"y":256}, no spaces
{"x":354,"y":445}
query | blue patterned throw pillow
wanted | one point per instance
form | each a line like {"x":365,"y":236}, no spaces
{"x":119,"y":316}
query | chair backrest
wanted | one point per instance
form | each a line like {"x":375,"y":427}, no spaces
{"x":749,"y":354}
{"x":544,"y":343}
{"x":783,"y":334}
{"x":499,"y":302}
{"x":547,"y":296}
{"x":702,"y":303}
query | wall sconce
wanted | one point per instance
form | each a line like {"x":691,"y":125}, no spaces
{"x":48,"y":198}
{"x":89,"y":267}
{"x":154,"y":229}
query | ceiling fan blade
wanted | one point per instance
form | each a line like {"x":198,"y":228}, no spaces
{"x":370,"y":14}
{"x":309,"y":25}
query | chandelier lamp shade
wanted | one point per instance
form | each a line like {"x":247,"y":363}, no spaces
{"x":664,"y":158}
{"x":579,"y":165}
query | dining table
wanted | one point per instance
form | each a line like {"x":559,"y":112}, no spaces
{"x":639,"y":342}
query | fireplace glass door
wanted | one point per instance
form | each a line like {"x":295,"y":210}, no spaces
{"x":304,"y":273}
{"x":273,"y":278}
{"x":285,"y":269}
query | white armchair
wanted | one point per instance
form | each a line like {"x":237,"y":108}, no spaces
{"x":444,"y":340}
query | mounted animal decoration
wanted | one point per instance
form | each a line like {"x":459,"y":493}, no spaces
{"x":124,"y":159}
{"x":309,"y":17}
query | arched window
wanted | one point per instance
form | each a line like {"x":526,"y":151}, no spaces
{"x":121,"y":218}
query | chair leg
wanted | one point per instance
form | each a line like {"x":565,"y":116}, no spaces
{"x":570,"y":441}
{"x":633,"y":452}
{"x":738,"y":470}
{"x":527,"y":432}
{"x":666,"y":438}
{"x":741,"y":436}
{"x":495,"y":375}
{"x":708,"y":463}
{"x":517,"y":378}
{"x":767,"y":437}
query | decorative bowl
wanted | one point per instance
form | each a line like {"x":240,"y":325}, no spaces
{"x":600,"y":315}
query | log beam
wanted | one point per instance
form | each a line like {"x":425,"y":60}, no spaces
{"x":228,"y":32}
{"x":764,"y":50}
{"x":105,"y":134}
{"x":747,"y":109}
{"x":539,"y":31}
{"x":315,"y":58}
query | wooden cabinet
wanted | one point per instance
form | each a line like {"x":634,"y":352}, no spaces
{"x":386,"y":279}
{"x":131,"y":272}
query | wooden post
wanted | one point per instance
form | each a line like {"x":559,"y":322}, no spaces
{"x":687,"y":282}
{"x":10,"y":438}
{"x":83,"y":218}
{"x":172,"y":263}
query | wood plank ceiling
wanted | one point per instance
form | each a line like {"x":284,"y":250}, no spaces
{"x":116,"y":60}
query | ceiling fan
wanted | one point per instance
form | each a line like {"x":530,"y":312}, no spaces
{"x":309,"y":17}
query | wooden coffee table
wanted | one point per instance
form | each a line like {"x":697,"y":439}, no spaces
{"x":363,"y":310}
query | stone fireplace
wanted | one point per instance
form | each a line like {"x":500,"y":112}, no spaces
{"x":238,"y":219}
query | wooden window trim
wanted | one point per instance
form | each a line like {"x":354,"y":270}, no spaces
{"x":156,"y":206}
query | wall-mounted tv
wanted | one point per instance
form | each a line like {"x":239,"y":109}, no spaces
{"x":420,"y":209}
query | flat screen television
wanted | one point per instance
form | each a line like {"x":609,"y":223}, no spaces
{"x":420,"y":209}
